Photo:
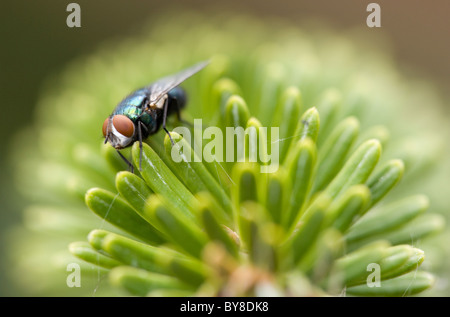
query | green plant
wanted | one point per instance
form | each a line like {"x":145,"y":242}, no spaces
{"x":335,"y":205}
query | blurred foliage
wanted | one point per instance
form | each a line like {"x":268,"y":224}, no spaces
{"x":362,"y":158}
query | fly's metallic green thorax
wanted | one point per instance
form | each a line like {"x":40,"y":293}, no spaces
{"x":142,"y":112}
{"x":133,"y":107}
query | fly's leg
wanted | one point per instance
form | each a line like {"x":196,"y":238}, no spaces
{"x":166,"y":106}
{"x":140,"y":144}
{"x":126,"y":161}
{"x":182,"y":120}
{"x":179,"y":114}
{"x":140,"y":126}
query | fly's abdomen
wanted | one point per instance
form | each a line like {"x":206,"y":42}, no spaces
{"x":177,"y":99}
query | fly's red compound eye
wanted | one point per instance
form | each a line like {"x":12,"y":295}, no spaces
{"x":105,"y":126}
{"x":123,"y":125}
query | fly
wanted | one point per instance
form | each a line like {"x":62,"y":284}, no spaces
{"x":142,"y":113}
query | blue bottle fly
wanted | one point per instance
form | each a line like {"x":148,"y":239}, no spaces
{"x":142,"y":113}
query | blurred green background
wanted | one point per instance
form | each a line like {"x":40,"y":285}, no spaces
{"x":36,"y":44}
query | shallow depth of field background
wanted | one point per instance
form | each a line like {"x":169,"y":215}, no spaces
{"x":36,"y":44}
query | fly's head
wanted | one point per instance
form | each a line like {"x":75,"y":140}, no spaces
{"x":119,"y":131}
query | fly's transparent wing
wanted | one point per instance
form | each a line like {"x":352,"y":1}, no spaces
{"x":165,"y":84}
